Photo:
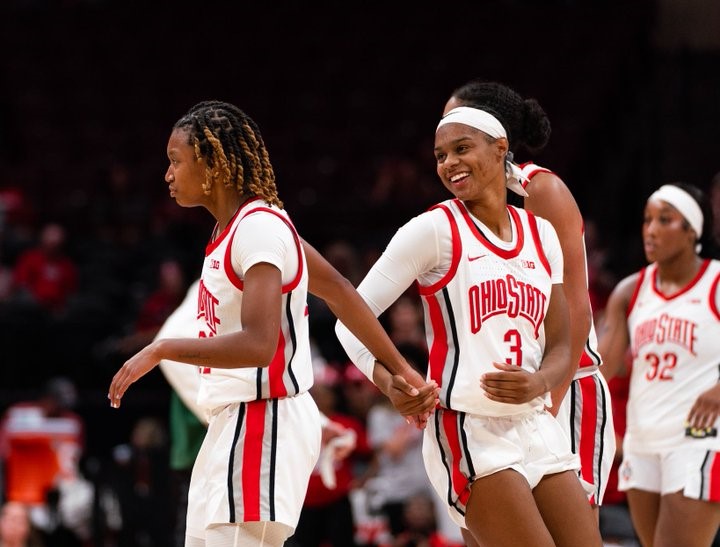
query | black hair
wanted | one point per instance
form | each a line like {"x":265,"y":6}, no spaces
{"x":524,"y":120}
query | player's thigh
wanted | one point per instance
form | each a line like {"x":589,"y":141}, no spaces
{"x":560,"y":497}
{"x":267,"y":534}
{"x":493,"y":510}
{"x":686,"y":521}
{"x":644,"y":510}
{"x":468,"y":538}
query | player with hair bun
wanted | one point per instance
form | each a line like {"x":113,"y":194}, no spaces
{"x":582,"y":400}
{"x":490,"y":278}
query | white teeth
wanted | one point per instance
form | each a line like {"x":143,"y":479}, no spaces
{"x":457,"y":177}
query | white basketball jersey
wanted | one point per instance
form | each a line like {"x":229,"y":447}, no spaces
{"x":675,"y":344}
{"x":490,"y":306}
{"x":591,"y":359}
{"x":219,"y":311}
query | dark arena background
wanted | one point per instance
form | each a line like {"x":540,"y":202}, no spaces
{"x":347,"y":96}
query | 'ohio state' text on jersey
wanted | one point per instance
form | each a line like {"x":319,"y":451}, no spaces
{"x":489,"y":307}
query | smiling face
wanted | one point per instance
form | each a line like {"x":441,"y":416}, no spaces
{"x":469,"y":162}
{"x":665,"y":232}
{"x":185,"y":174}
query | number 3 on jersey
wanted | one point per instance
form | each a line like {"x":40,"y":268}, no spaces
{"x":514,"y":341}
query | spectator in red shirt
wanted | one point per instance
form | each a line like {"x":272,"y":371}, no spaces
{"x":45,"y":272}
{"x":41,"y":445}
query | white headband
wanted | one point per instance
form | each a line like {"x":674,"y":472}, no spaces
{"x":487,"y":123}
{"x":684,"y":203}
{"x":479,"y":119}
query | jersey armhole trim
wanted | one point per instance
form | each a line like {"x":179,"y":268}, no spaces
{"x":456,"y":253}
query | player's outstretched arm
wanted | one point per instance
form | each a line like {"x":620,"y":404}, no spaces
{"x":350,"y":308}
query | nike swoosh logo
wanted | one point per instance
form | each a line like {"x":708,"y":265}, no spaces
{"x":471,"y":258}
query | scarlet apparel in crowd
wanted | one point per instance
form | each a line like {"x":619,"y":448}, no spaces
{"x":39,"y":450}
{"x":318,"y":495}
{"x":45,"y":272}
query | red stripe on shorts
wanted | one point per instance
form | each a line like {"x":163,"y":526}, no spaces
{"x":458,"y":481}
{"x":588,"y":429}
{"x":714,"y":479}
{"x":252,"y":459}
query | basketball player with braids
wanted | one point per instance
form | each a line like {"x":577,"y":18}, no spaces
{"x":582,"y":400}
{"x":668,"y":316}
{"x":263,"y":439}
{"x":490,"y":279}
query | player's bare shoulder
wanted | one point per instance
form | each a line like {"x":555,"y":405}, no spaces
{"x":549,"y":197}
{"x":623,"y":292}
{"x":547,"y":192}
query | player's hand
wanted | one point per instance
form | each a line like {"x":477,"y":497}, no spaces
{"x":415,"y":403}
{"x":134,"y":368}
{"x":705,"y":409}
{"x":512,"y":384}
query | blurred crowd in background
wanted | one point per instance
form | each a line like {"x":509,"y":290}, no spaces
{"x":94,"y":255}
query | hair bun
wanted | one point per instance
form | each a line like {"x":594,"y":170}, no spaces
{"x":536,"y":125}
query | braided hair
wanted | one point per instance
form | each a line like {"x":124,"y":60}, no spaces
{"x":233,"y":149}
{"x":524,"y":120}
